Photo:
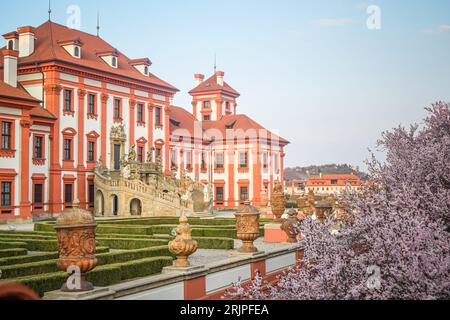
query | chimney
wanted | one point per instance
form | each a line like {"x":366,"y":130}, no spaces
{"x":26,"y":41}
{"x":10,"y":67}
{"x":220,"y":75}
{"x":12,"y":40}
{"x":198,"y":79}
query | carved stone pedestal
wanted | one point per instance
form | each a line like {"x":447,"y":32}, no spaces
{"x":274,"y":234}
{"x":190,"y":269}
{"x":95,"y":294}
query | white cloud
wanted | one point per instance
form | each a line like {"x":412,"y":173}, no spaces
{"x":334,"y":22}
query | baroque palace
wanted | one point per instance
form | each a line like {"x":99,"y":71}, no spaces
{"x":82,"y":123}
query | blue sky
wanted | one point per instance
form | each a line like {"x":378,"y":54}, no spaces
{"x":310,"y":70}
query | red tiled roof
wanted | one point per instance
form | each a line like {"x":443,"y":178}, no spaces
{"x":211,"y":85}
{"x":39,"y":112}
{"x":244,"y":123}
{"x":182,"y":119}
{"x":325,"y":180}
{"x":47,"y":48}
{"x":11,"y":92}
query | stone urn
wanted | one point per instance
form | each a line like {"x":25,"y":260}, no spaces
{"x":75,"y":230}
{"x":278,"y":201}
{"x":290,"y":226}
{"x":247,"y":227}
{"x":183,"y":245}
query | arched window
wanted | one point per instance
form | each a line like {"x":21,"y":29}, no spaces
{"x":146,"y":70}
{"x":10,"y":45}
{"x":77,"y":51}
{"x":114,"y":62}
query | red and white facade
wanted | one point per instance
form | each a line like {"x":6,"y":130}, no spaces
{"x":61,"y":92}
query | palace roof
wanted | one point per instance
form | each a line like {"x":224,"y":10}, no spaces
{"x":48,"y":47}
{"x":211,"y":85}
{"x":185,"y":122}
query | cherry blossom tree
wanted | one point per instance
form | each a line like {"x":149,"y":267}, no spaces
{"x":396,"y":243}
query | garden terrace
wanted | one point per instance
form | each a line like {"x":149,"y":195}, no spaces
{"x":126,"y":249}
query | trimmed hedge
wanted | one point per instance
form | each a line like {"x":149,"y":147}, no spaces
{"x":28,"y":269}
{"x":14,"y":252}
{"x":28,"y":259}
{"x":100,"y":276}
{"x":129,"y":255}
{"x":215,"y":243}
{"x":130,"y":243}
{"x":141,"y":230}
{"x":34,"y":245}
{"x":39,"y":257}
{"x":44,"y":226}
{"x":143,"y":267}
{"x":12,"y":245}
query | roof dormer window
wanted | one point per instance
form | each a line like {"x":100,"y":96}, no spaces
{"x":141,"y":65}
{"x":73,"y":47}
{"x":76,"y":52}
{"x":110,"y":57}
{"x":11,"y":45}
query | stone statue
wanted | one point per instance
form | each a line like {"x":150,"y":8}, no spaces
{"x":126,"y":172}
{"x":132,"y":154}
{"x":118,"y":132}
{"x":99,"y":165}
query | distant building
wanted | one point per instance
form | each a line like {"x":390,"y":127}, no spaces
{"x":295,"y":187}
{"x":332,"y":183}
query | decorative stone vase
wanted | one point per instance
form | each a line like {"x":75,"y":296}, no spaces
{"x":290,"y":226}
{"x":278,"y":201}
{"x":75,"y":230}
{"x":183,"y":245}
{"x":247,"y":227}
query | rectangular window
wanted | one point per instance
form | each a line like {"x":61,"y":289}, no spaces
{"x":67,"y":149}
{"x":91,"y":195}
{"x":243,"y":194}
{"x":265,"y":161}
{"x":117,"y":108}
{"x":140,"y":112}
{"x":38,"y":154}
{"x":68,"y":100}
{"x":158,"y":116}
{"x":188,"y":160}
{"x":6,"y":135}
{"x":334,"y":182}
{"x":219,"y":194}
{"x":203,"y":161}
{"x":140,"y":154}
{"x":206,"y":118}
{"x":206,"y":104}
{"x":277,"y":164}
{"x":68,"y":193}
{"x":6,"y":194}
{"x":219,"y":160}
{"x":243,"y":159}
{"x":227,"y":105}
{"x":91,"y":151}
{"x":38,"y":198}
{"x":91,"y":104}
{"x":173,"y":158}
{"x":158,"y":153}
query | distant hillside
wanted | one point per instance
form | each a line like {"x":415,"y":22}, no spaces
{"x":303,"y":173}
